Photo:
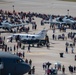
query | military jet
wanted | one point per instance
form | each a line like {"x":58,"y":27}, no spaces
{"x":7,"y":25}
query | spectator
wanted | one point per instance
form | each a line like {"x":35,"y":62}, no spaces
{"x":44,"y":66}
{"x":48,"y":71}
{"x":74,"y":68}
{"x":17,"y":47}
{"x":35,"y":26}
{"x":33,"y":70}
{"x":23,"y":54}
{"x":8,"y":49}
{"x":72,"y":49}
{"x":14,"y":48}
{"x":63,"y":69}
{"x":75,"y":57}
{"x":11,"y":39}
{"x":20,"y":54}
{"x":11,"y":49}
{"x":26,"y":60}
{"x":66,"y":49}
{"x":4,"y":38}
{"x":30,"y":62}
{"x":5,"y":49}
{"x":29,"y":73}
{"x":71,"y":69}
{"x":29,"y":48}
{"x":67,"y":44}
{"x":53,"y":36}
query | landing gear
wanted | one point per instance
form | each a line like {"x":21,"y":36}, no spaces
{"x":41,"y":43}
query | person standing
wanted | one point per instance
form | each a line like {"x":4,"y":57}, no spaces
{"x":63,"y":69}
{"x":29,"y":48}
{"x":30,"y":62}
{"x":53,"y":36}
{"x":8,"y":49}
{"x":17,"y":47}
{"x":75,"y":57}
{"x":11,"y":39}
{"x":74,"y":68}
{"x":44,"y":66}
{"x":26,"y":61}
{"x":23,"y":54}
{"x":48,"y":71}
{"x":14,"y":48}
{"x":72,"y":49}
{"x":33,"y":70}
{"x":4,"y":38}
{"x":54,"y":29}
{"x":66,"y":49}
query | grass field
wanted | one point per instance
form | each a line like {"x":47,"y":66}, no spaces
{"x":70,"y":0}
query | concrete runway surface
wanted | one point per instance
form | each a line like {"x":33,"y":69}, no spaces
{"x":42,"y":6}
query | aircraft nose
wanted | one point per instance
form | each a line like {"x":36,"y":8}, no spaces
{"x":26,"y":68}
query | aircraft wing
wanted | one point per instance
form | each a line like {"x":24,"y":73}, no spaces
{"x":54,"y":22}
{"x":18,"y":25}
{"x":12,"y":25}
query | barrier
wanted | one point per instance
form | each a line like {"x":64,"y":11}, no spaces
{"x":61,"y":54}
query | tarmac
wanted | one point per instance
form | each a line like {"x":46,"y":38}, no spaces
{"x":56,"y":7}
{"x":42,"y":54}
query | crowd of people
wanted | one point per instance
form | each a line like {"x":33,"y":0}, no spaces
{"x":57,"y":67}
{"x":18,"y":17}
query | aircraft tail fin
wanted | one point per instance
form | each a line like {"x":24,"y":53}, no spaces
{"x":43,"y":32}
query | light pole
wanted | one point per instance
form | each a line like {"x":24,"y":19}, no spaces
{"x":68,"y":12}
{"x":13,"y":7}
{"x":50,"y":20}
